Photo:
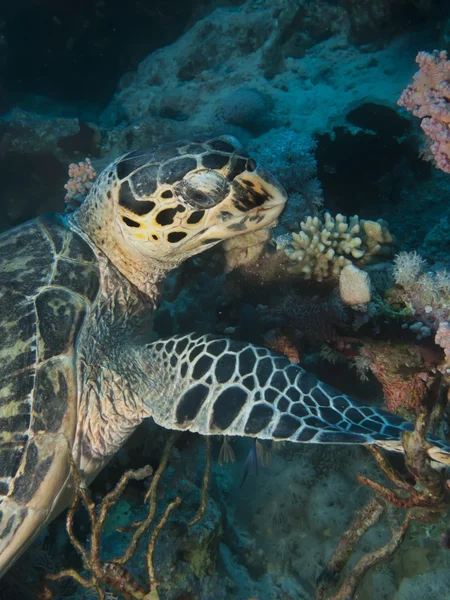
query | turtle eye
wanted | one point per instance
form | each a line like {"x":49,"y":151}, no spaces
{"x":203,"y":189}
{"x":199,"y":199}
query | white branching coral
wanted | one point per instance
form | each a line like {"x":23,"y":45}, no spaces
{"x":424,"y":291}
{"x":321,"y":249}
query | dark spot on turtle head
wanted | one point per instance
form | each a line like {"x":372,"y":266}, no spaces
{"x":238,"y":166}
{"x":144,"y":181}
{"x":132,"y":161}
{"x":242,"y":197}
{"x":251,"y":165}
{"x":175,"y":170}
{"x":166,"y":216}
{"x":237,"y":226}
{"x":221,"y":146}
{"x":193,"y":148}
{"x":8,"y":527}
{"x":130,"y":222}
{"x":195,"y":217}
{"x":166,"y":151}
{"x":215,"y":161}
{"x":154,"y":236}
{"x":124,"y":168}
{"x":127,"y":200}
{"x":211,"y":241}
{"x":167,"y":194}
{"x":176,"y":236}
{"x":259,"y":197}
{"x":248,"y":183}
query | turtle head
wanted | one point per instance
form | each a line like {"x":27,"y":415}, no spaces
{"x":173,"y":201}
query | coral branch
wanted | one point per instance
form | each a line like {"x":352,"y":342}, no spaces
{"x":364,"y":520}
{"x":151,"y":545}
{"x":149,"y":497}
{"x":369,"y":560}
{"x":206,"y":476}
{"x":113,"y":574}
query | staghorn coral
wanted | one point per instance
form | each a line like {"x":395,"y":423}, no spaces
{"x":321,"y":249}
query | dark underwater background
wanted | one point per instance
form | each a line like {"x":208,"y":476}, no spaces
{"x":311,"y":89}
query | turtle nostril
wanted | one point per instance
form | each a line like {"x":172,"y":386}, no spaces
{"x":251,"y":165}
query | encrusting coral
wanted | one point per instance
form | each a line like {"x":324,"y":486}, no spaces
{"x":354,"y":287}
{"x":322,"y":248}
{"x":400,"y":370}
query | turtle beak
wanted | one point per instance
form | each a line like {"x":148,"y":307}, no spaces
{"x":262,"y":190}
{"x":255,"y":203}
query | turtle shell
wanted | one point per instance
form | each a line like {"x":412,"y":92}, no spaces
{"x":49,"y":280}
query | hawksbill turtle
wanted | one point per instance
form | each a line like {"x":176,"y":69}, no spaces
{"x":78,"y":367}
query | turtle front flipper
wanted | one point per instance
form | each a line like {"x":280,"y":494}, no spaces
{"x":38,"y":495}
{"x":216,"y":386}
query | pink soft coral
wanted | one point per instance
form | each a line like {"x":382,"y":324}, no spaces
{"x":442,"y":339}
{"x":428,"y":98}
{"x":81,"y":179}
